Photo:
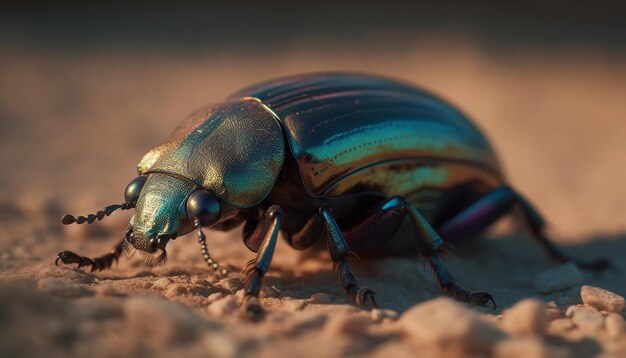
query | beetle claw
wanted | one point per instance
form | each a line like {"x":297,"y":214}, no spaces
{"x":481,"y":299}
{"x":253,"y":310}
{"x":68,"y":257}
{"x":366,"y":297}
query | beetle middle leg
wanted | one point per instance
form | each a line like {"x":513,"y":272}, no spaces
{"x":98,"y":264}
{"x":430,"y":243}
{"x":339,"y":250}
{"x":382,"y":225}
{"x":266,"y":233}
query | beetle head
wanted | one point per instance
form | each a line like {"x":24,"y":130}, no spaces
{"x":158,"y":216}
{"x":166,"y":207}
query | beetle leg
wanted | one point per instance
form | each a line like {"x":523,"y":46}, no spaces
{"x":494,"y":205}
{"x":310,"y":233}
{"x":479,"y":215}
{"x":379,"y":227}
{"x":339,"y":250}
{"x":429,"y":243}
{"x":537,"y":227}
{"x":98,"y":264}
{"x":255,"y":269}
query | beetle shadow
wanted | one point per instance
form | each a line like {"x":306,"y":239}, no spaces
{"x":504,"y":265}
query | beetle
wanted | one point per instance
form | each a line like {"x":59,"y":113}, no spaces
{"x":339,"y":158}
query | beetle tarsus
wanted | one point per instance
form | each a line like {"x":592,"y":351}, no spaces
{"x":366,"y":297}
{"x":482,"y":299}
{"x":450,"y":287}
{"x":98,"y":264}
{"x":68,"y":257}
{"x":478,"y":298}
{"x":253,"y":309}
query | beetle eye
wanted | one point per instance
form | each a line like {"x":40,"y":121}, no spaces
{"x":133,"y":190}
{"x":203,"y":208}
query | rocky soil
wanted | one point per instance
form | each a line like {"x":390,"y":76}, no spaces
{"x":74,"y":126}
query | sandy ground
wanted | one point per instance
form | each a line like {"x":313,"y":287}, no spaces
{"x":75,"y":124}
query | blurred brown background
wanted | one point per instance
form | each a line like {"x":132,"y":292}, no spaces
{"x":86,"y":89}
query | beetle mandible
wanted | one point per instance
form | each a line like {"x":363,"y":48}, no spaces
{"x":332,"y":157}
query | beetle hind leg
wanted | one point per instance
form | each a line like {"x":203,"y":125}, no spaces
{"x":538,"y":227}
{"x":496,"y":204}
{"x":98,"y":264}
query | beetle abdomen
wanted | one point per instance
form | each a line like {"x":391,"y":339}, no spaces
{"x":348,"y":130}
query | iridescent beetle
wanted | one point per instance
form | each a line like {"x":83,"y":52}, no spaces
{"x":337,"y":157}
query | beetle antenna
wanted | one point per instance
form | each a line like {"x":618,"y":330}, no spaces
{"x":90,"y":218}
{"x":205,"y":253}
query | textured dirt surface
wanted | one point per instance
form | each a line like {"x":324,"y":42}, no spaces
{"x":74,"y":126}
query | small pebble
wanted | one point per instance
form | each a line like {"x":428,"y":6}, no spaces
{"x":569,"y":312}
{"x":97,"y":310}
{"x":175,"y":290}
{"x":602,"y":299}
{"x":527,"y":316}
{"x":552,"y":311}
{"x":269,"y":291}
{"x":215,"y":296}
{"x":321,"y":298}
{"x":295,"y":305}
{"x":108,"y":290}
{"x":445,"y":323}
{"x":232,"y":284}
{"x":200,"y":281}
{"x":615,"y":325}
{"x":65,"y":272}
{"x":163,"y":322}
{"x":303,"y":321}
{"x":562,"y":324}
{"x":200,"y":290}
{"x":220,"y":344}
{"x":587,"y":318}
{"x":528,"y":347}
{"x":558,"y":279}
{"x":223,"y":306}
{"x":162,"y":283}
{"x":348,"y":325}
{"x":378,"y":315}
{"x":62,"y":287}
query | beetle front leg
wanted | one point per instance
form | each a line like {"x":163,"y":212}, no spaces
{"x":98,"y":264}
{"x":430,"y":243}
{"x":267,"y":233}
{"x":339,"y":250}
